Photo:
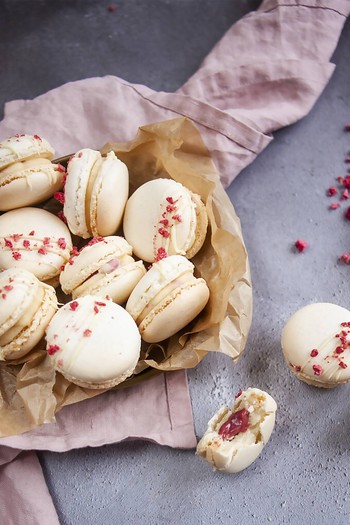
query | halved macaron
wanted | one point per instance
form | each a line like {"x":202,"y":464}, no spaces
{"x":103,"y":267}
{"x":27,"y":175}
{"x":167,"y":298}
{"x":95,"y":193}
{"x":163,"y":217}
{"x":26,"y":308}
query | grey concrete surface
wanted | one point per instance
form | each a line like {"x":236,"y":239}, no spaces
{"x":303,"y":475}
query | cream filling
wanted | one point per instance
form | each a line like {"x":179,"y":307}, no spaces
{"x":108,"y":267}
{"x":89,"y":190}
{"x":18,"y":167}
{"x":171,"y":244}
{"x":186,"y":278}
{"x":25,"y":321}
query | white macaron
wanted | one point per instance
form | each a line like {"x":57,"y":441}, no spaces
{"x":26,"y":308}
{"x":27,"y":175}
{"x":162,"y":217}
{"x":316,"y":344}
{"x":236,"y":437}
{"x":167,"y":298}
{"x":93,"y":343}
{"x":103,"y":267}
{"x":36,"y":240}
{"x":95,"y":193}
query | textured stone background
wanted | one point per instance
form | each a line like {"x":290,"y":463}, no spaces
{"x":303,"y":474}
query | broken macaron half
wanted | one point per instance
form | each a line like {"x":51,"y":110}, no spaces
{"x":236,"y":437}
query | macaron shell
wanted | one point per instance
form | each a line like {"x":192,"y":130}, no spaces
{"x":30,"y":337}
{"x":98,"y":342}
{"x":21,"y":147}
{"x":117,"y":285}
{"x":78,"y":174}
{"x":175,"y":312}
{"x":18,"y":290}
{"x":315,"y":327}
{"x":90,"y":259}
{"x":161,"y":274}
{"x":29,"y":186}
{"x":155,"y":201}
{"x":33,"y":226}
{"x":201,"y":227}
{"x":109,"y":196}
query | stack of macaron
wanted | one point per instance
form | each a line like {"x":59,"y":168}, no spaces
{"x":113,"y":301}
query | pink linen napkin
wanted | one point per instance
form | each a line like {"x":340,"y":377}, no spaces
{"x":265,"y":73}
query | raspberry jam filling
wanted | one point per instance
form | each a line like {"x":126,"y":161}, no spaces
{"x":236,"y":423}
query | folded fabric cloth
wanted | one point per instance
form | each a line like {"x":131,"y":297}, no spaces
{"x":265,"y":73}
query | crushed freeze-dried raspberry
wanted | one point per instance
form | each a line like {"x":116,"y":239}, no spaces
{"x":38,"y":138}
{"x":8,"y":243}
{"x":318,"y":370}
{"x":42,"y":250}
{"x":80,"y":154}
{"x":99,"y":303}
{"x":346,"y":182}
{"x":239,"y":393}
{"x":164,"y":233}
{"x":32,"y":233}
{"x":345,"y":258}
{"x":16,"y":236}
{"x":87,"y":333}
{"x":297,"y":368}
{"x":332,"y":191}
{"x":59,"y":196}
{"x":170,"y":208}
{"x":8,"y":287}
{"x":334,"y":205}
{"x":161,"y":254}
{"x":301,"y":245}
{"x":73,"y":305}
{"x":314,"y":352}
{"x":96,"y":310}
{"x":52,"y":349}
{"x":345,"y":194}
{"x":62,"y":243}
{"x":347,"y":214}
{"x":16,"y":255}
{"x":339,"y":350}
{"x":177,"y":218}
{"x":342,"y":364}
{"x":165,"y":222}
{"x":26,"y":243}
{"x":3,"y":295}
{"x":237,"y":422}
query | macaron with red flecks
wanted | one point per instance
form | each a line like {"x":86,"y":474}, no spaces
{"x":93,"y":343}
{"x":26,"y":308}
{"x":95,"y":193}
{"x":316,"y":344}
{"x":35,"y":240}
{"x":27,"y":175}
{"x":104,"y":267}
{"x":164,"y":217}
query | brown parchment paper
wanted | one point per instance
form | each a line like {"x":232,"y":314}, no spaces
{"x":30,"y":391}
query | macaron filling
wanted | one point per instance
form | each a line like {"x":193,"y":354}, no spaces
{"x":185,"y":279}
{"x":25,"y":320}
